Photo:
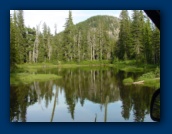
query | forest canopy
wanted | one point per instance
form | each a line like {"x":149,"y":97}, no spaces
{"x":98,"y":38}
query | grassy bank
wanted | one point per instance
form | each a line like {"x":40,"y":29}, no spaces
{"x":150,"y":79}
{"x":132,"y":66}
{"x":127,"y":66}
{"x":33,"y":66}
{"x":26,"y":78}
{"x":27,"y":73}
{"x":36,"y":65}
{"x":150,"y":82}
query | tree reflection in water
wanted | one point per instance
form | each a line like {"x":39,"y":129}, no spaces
{"x":101,"y":86}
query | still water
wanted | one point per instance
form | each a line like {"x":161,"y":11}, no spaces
{"x":81,"y":95}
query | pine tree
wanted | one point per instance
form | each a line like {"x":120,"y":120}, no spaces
{"x":84,"y":52}
{"x":156,"y":46}
{"x":12,"y":45}
{"x":68,"y":39}
{"x":77,"y":45}
{"x":16,"y":35}
{"x":21,"y":36}
{"x":30,"y":39}
{"x":147,"y":42}
{"x":49,"y":45}
{"x":85,"y":42}
{"x":124,"y":42}
{"x":106,"y":43}
{"x":41,"y":54}
{"x":45,"y":40}
{"x":136,"y":31}
{"x":36,"y":43}
{"x":55,"y":46}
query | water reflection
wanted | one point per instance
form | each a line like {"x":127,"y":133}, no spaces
{"x":93,"y":95}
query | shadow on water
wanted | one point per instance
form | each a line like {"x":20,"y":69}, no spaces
{"x":91,"y":91}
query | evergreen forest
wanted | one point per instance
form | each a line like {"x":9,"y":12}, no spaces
{"x":98,"y":38}
{"x":105,"y":68}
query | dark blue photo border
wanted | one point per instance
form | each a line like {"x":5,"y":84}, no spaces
{"x":166,"y":66}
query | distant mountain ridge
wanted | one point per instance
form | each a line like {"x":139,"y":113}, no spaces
{"x":110,"y":24}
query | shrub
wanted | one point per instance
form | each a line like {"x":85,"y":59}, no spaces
{"x":148,"y":75}
{"x":128,"y":80}
{"x":157,"y":72}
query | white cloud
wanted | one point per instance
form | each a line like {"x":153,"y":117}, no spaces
{"x":50,"y":17}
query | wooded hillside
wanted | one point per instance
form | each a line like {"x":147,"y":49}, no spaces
{"x":97,"y":38}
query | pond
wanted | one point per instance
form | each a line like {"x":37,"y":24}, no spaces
{"x":94,"y":94}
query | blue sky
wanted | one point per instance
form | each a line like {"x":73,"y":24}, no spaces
{"x":58,"y":17}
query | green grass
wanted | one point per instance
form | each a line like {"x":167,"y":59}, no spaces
{"x":127,"y":66}
{"x":128,"y":81}
{"x":36,"y":65}
{"x":25,"y":78}
{"x":84,"y":63}
{"x":32,"y":67}
{"x":69,"y":65}
{"x":132,"y":66}
{"x":27,"y":73}
{"x":152,"y":83}
{"x":132,"y":69}
{"x":149,"y":75}
{"x":94,"y":62}
{"x":150,"y":79}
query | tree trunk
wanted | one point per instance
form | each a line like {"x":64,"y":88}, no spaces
{"x":30,"y":56}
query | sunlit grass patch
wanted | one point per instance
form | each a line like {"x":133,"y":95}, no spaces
{"x":150,"y":79}
{"x":128,"y":81}
{"x":36,"y":65}
{"x":132,"y":69}
{"x":31,"y":67}
{"x":152,"y":82}
{"x":133,"y":66}
{"x":149,"y":75}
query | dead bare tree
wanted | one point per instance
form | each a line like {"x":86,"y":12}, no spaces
{"x":36,"y":44}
